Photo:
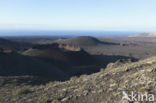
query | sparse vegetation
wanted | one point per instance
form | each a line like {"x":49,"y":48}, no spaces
{"x":22,"y":90}
{"x":105,"y":85}
{"x":45,"y":77}
{"x":44,"y":99}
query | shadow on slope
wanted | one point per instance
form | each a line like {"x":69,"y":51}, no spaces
{"x":34,"y":71}
{"x":73,"y":63}
{"x":106,"y":59}
{"x":68,"y":61}
{"x":44,"y":63}
{"x":101,"y":61}
{"x":12,"y":45}
{"x":14,"y":64}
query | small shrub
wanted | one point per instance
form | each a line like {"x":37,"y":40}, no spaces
{"x":152,"y":74}
{"x":73,"y":78}
{"x":23,"y":90}
{"x":44,"y":99}
{"x":83,"y":75}
{"x":142,"y":89}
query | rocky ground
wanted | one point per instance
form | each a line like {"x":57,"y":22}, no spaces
{"x":106,"y":86}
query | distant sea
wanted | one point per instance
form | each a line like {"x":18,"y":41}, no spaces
{"x":45,"y":33}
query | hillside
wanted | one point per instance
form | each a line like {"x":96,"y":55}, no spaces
{"x":14,"y":64}
{"x":73,"y":61}
{"x":106,"y":86}
{"x":8,"y":44}
{"x":81,"y":41}
{"x":54,"y":52}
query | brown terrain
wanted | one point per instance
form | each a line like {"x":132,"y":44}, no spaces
{"x":153,"y":34}
{"x":105,"y":86}
{"x":80,"y":69}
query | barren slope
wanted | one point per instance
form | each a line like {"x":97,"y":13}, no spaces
{"x":7,"y":44}
{"x":105,"y":86}
{"x":81,"y":41}
{"x":14,"y":64}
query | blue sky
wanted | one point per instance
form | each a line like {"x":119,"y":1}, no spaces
{"x":117,"y":15}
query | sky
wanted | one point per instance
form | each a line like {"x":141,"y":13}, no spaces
{"x":115,"y":15}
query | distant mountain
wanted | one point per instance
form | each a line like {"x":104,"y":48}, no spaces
{"x":81,"y":41}
{"x":153,"y":34}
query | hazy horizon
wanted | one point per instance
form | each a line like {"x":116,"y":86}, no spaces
{"x":101,"y":15}
{"x":60,"y":33}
